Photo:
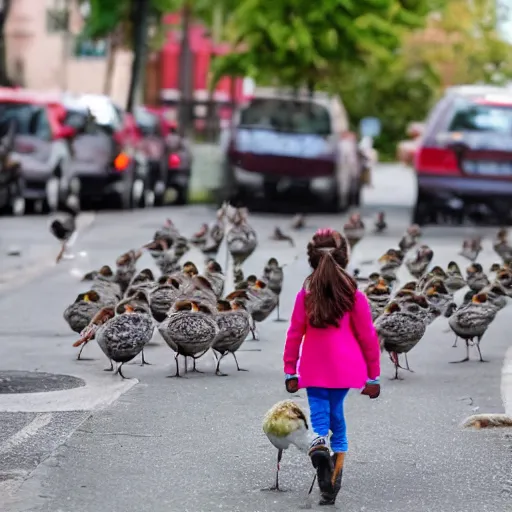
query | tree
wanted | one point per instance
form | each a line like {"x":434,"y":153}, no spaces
{"x":125,"y":23}
{"x":303,"y":43}
{"x":459,"y":44}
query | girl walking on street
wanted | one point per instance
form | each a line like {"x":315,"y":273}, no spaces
{"x":332,"y":324}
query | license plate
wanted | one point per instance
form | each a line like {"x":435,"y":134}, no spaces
{"x":485,"y":168}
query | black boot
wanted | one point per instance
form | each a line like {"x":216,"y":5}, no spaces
{"x":322,"y":462}
{"x":329,"y":498}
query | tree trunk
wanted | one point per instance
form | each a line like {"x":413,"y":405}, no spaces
{"x":185,"y":73}
{"x":5,"y":81}
{"x":140,"y":10}
{"x":111,"y":65}
{"x":211,"y":114}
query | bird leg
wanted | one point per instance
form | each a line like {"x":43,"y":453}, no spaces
{"x":61,"y":252}
{"x":407,"y":365}
{"x":118,"y":371}
{"x":482,"y":360}
{"x":177,"y":374}
{"x":144,"y":362}
{"x":394,"y":358}
{"x":279,"y":319}
{"x":194,"y":358}
{"x":217,"y":369}
{"x":275,"y":487}
{"x":455,"y":344}
{"x":80,"y":353}
{"x":237,"y":366}
{"x":467,"y":355}
{"x":312,"y":485}
{"x":111,"y":369}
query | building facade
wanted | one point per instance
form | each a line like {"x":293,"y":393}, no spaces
{"x":42,"y":55}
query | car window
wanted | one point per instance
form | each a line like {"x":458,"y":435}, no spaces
{"x":286,"y":116}
{"x":82,"y":121}
{"x":482,"y":118}
{"x":28,"y":119}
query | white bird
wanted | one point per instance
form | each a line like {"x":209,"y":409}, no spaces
{"x":284,"y":424}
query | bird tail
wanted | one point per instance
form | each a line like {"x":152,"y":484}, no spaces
{"x":487,"y":421}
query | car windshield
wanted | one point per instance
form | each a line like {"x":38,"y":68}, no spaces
{"x":483,"y":118}
{"x":26,"y":116}
{"x":286,"y":116}
{"x":82,"y":121}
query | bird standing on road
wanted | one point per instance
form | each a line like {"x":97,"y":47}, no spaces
{"x":64,"y":230}
{"x":286,"y":424}
{"x":380,"y":223}
{"x":280,"y":236}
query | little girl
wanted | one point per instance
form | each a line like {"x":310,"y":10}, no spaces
{"x":332,"y":322}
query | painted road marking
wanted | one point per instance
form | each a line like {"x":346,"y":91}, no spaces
{"x":26,"y":432}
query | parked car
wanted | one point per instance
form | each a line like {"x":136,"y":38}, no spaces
{"x":178,"y":159}
{"x":464,"y":160}
{"x":278,"y":143}
{"x":106,"y":159}
{"x":41,"y":145}
{"x":11,"y":198}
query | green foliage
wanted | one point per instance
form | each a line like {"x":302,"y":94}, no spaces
{"x":295,"y":42}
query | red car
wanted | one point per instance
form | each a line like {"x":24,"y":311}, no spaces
{"x":279,"y":143}
{"x":464,"y":159}
{"x":41,"y":145}
{"x":107,"y":160}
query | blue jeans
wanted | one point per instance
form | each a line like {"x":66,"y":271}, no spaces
{"x":326,"y":411}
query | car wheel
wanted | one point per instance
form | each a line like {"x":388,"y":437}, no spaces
{"x":422,"y":213}
{"x":182,"y":197}
{"x":355,"y":195}
{"x":52,"y":200}
{"x":159,"y":193}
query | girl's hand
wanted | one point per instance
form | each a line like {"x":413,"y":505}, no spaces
{"x":292,"y":384}
{"x":372,"y":389}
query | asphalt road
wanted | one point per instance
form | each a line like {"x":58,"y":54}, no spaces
{"x":196,"y":444}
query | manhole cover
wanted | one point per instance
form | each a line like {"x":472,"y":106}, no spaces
{"x":12,"y":382}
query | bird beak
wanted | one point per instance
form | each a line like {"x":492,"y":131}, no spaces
{"x":87,"y":298}
{"x":194,"y":307}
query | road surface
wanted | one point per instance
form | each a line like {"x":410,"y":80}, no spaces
{"x":153,"y":444}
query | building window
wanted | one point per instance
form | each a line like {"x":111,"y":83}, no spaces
{"x":57,"y":20}
{"x":87,"y":48}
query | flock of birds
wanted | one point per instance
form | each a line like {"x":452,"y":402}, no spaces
{"x":402,"y":314}
{"x":122,"y":307}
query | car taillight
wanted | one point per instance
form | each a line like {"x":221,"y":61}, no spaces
{"x":431,"y":160}
{"x":174,"y":161}
{"x":121,"y":162}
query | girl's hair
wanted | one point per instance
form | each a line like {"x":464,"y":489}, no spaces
{"x":331,"y":289}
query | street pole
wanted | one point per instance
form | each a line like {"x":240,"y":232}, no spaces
{"x":140,"y":11}
{"x":65,"y":47}
{"x":185,"y":72}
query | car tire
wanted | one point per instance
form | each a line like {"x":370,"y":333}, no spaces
{"x":355,"y":195}
{"x":182,"y":197}
{"x":422,"y":213}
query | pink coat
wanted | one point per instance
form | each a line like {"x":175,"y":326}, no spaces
{"x":334,"y":357}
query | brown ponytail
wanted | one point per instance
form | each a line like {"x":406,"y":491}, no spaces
{"x":331,"y":289}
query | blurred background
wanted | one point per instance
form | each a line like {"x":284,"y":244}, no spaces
{"x":145,"y":103}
